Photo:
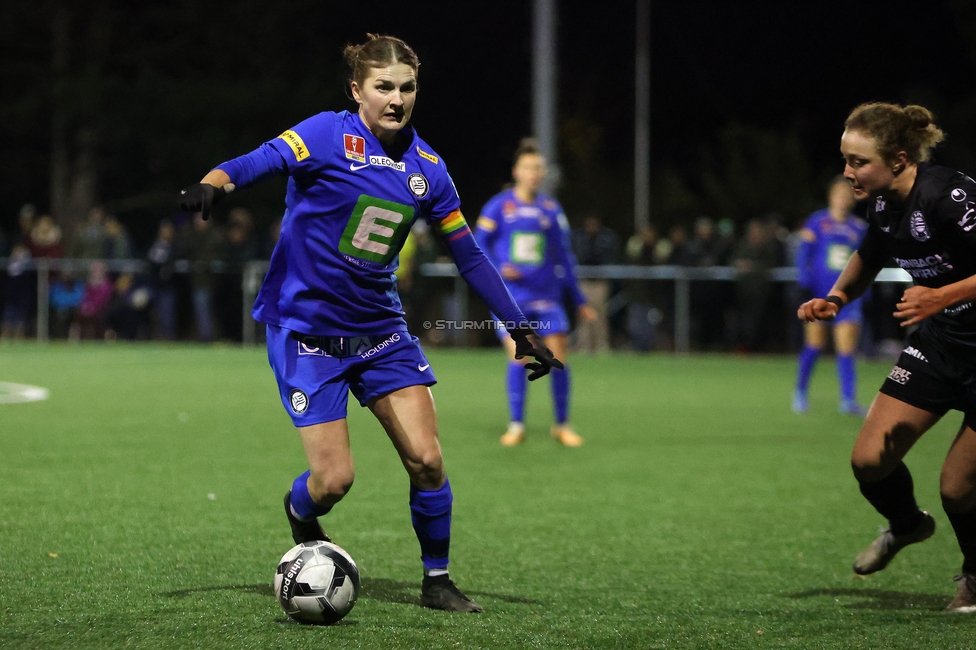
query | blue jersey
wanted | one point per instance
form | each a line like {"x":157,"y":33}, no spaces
{"x":349,"y":207}
{"x":533,"y":238}
{"x":825,"y":247}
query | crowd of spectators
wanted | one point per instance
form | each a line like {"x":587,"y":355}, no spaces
{"x":189,"y":285}
{"x":101,"y":295}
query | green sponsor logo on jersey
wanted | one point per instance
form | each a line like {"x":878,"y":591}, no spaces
{"x":527,"y":248}
{"x":837,"y":256}
{"x":376,"y":229}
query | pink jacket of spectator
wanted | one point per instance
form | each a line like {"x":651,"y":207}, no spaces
{"x":96,"y":299}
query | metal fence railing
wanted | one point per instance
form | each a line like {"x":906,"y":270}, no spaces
{"x":252,"y":274}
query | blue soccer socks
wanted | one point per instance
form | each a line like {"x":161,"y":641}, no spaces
{"x":808,"y":359}
{"x":431,"y":514}
{"x":846,"y":377}
{"x":302,"y":505}
{"x":517,"y":384}
{"x":560,"y":394}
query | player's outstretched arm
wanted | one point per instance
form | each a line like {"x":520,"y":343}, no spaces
{"x":202,"y":196}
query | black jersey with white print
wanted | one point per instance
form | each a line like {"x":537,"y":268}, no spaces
{"x":932,"y":236}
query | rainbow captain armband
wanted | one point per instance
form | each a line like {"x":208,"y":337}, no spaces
{"x":453,"y":226}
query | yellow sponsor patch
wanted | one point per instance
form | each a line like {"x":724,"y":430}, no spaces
{"x":431,"y":157}
{"x":484,"y":223}
{"x":297,"y":145}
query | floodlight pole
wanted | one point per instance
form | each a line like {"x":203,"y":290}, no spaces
{"x":642,"y":118}
{"x":544,"y":86}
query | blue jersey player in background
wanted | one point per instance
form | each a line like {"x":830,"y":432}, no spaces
{"x":525,"y":235}
{"x":827,"y":241}
{"x":356,"y":183}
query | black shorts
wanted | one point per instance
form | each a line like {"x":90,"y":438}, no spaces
{"x":928,"y":378}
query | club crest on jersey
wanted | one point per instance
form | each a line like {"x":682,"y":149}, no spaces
{"x":299,"y":401}
{"x":418,"y":185}
{"x":879,"y":205}
{"x":958,"y":195}
{"x":920,"y":231}
{"x":355,"y":147}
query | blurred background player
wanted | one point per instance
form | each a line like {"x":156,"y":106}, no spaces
{"x":923,"y":216}
{"x":356,"y":183}
{"x":525,"y":235}
{"x":827,"y":241}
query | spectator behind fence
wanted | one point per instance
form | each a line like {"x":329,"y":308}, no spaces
{"x":67,"y":292}
{"x":416,"y":291}
{"x":595,"y":245}
{"x":241,"y":248}
{"x":643,"y":315}
{"x":91,"y":312}
{"x":45,"y":239}
{"x":25,"y":221}
{"x":161,"y":262}
{"x":88,"y":242}
{"x":127,"y":315}
{"x":118,"y":244}
{"x":707,"y":296}
{"x":202,"y":244}
{"x":754,"y":258}
{"x":19,"y":294}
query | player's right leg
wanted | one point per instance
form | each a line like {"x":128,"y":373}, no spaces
{"x":889,"y":431}
{"x":814,"y":339}
{"x":329,"y":478}
{"x":314,"y":392}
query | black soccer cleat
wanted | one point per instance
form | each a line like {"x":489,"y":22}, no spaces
{"x":304,"y":531}
{"x":440,"y":592}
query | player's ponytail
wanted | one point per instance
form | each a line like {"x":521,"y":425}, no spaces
{"x":895,"y":128}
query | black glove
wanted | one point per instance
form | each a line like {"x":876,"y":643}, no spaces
{"x":529,"y":344}
{"x":201,"y":198}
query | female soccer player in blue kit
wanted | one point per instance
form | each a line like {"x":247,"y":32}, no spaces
{"x":525,"y":235}
{"x":356,"y":183}
{"x":827,"y":241}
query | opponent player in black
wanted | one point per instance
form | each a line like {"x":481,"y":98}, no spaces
{"x":924,"y":217}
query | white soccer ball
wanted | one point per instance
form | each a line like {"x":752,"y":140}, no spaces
{"x":317,"y":582}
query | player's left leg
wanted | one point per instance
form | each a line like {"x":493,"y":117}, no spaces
{"x":958,"y":489}
{"x":410,"y":421}
{"x":846,"y":335}
{"x":516,"y":385}
{"x":561,"y":430}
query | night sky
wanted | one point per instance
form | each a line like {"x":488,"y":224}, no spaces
{"x":777,"y":66}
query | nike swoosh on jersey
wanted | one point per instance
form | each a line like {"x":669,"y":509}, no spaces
{"x":423,"y":367}
{"x":354,"y":167}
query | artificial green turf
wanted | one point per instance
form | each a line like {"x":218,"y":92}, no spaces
{"x":140,"y":507}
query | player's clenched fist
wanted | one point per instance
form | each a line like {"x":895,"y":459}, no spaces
{"x":819,"y":309}
{"x":201,"y":197}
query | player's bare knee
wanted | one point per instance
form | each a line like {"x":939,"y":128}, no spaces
{"x":875,"y":457}
{"x":958,"y":494}
{"x":427,"y":470}
{"x":332,"y":485}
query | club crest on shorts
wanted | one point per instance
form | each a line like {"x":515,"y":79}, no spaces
{"x":418,"y":185}
{"x":299,"y":401}
{"x":920,"y":231}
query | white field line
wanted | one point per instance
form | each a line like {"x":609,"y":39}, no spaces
{"x":17,"y":393}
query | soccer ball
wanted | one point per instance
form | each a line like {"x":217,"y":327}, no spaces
{"x":316,"y":582}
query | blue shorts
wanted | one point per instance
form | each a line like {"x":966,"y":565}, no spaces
{"x":544,"y":316}
{"x":851,"y":313}
{"x":314,"y":386}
